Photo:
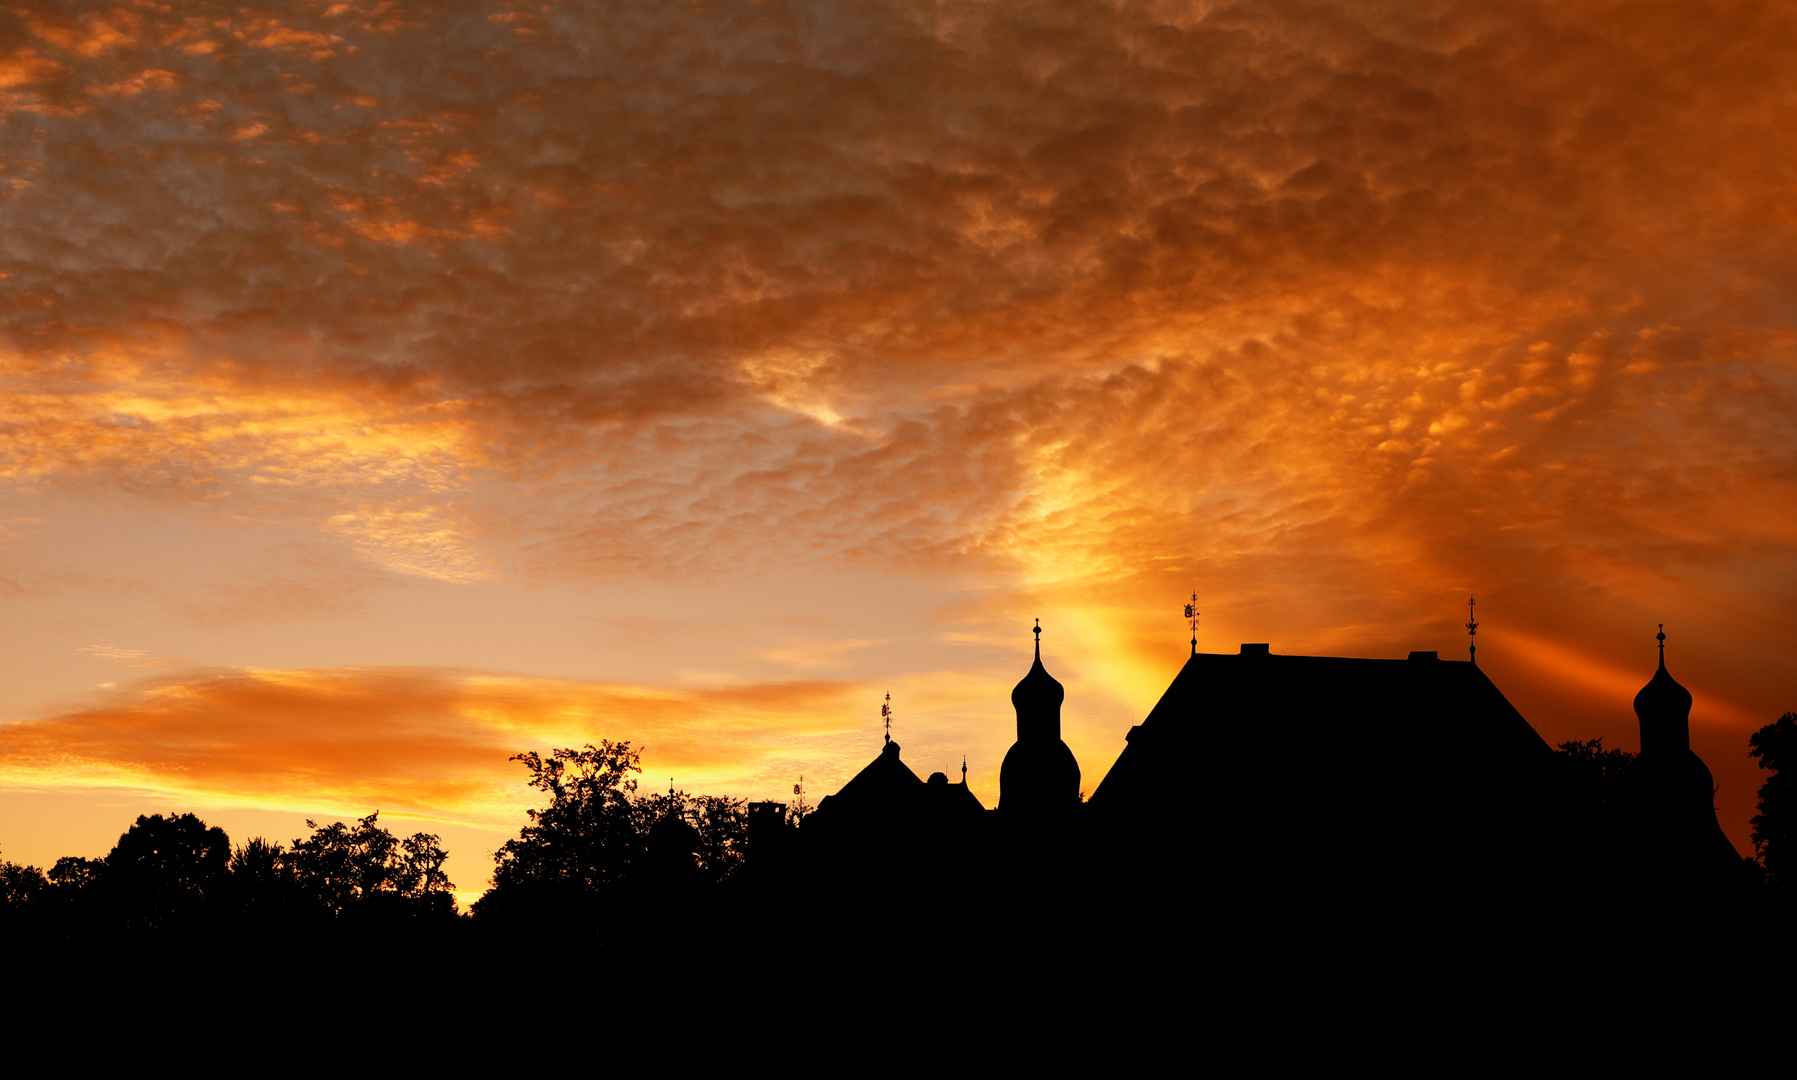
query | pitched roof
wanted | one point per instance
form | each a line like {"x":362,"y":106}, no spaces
{"x":888,"y":793}
{"x":1342,"y":736}
{"x":884,"y":778}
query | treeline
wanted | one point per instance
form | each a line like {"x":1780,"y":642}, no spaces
{"x":599,"y":855}
{"x":602,"y":855}
{"x":598,"y":831}
{"x":597,"y":841}
{"x":175,"y":873}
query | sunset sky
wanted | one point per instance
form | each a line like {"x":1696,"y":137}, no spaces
{"x":393,"y":387}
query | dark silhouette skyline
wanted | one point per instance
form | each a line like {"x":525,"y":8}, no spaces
{"x":389,"y":393}
{"x":1392,"y":779}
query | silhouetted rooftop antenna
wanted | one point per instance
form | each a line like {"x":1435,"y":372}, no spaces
{"x":886,"y":716}
{"x":1038,"y":633}
{"x":1192,"y":615}
{"x":1472,"y":631}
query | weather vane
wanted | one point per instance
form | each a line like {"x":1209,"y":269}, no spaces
{"x":1192,"y":617}
{"x":1472,"y":631}
{"x":886,"y":715}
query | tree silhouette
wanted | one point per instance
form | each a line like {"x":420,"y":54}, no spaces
{"x":260,"y":860}
{"x":338,"y":865}
{"x":1775,"y":826}
{"x":421,"y":859}
{"x":72,"y":873}
{"x":588,"y":833}
{"x":165,"y":870}
{"x":264,"y":885}
{"x":20,"y":886}
{"x":1597,"y":773}
{"x":598,"y":845}
{"x":343,"y":869}
{"x":723,"y":827}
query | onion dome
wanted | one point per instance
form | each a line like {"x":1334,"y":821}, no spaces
{"x":1664,"y":709}
{"x":673,"y":837}
{"x":671,"y":845}
{"x":1039,"y":772}
{"x":1038,"y":689}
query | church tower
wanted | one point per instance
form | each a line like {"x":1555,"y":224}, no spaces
{"x":1679,"y":845}
{"x":1039,"y":774}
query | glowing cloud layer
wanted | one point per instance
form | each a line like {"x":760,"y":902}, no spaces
{"x":432,"y":744}
{"x":1332,"y":312}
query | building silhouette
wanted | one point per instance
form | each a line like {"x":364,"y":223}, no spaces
{"x":1674,"y":842}
{"x":887,"y":796}
{"x":1280,"y":779}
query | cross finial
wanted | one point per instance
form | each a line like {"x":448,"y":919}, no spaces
{"x":1192,"y":616}
{"x":886,"y":716}
{"x":1662,"y":636}
{"x":1472,"y":632}
{"x":1038,"y":633}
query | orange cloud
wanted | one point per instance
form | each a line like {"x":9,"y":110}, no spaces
{"x":368,"y":467}
{"x":903,"y":304}
{"x":428,"y":743}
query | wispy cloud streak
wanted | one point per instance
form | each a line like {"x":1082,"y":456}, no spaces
{"x":422,"y":741}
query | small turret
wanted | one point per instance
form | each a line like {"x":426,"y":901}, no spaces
{"x":1039,"y":773}
{"x":1664,"y":709}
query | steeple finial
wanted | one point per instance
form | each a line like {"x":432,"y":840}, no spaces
{"x":1662,"y":636}
{"x":886,"y":716}
{"x":1472,"y":632}
{"x":1192,"y":615}
{"x":1038,"y":633}
{"x":963,"y":770}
